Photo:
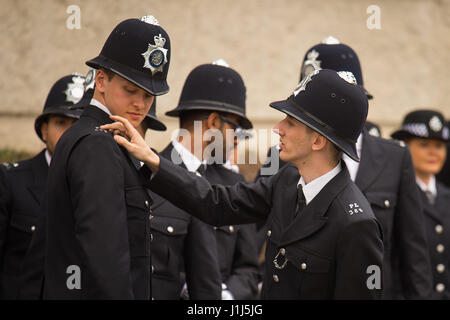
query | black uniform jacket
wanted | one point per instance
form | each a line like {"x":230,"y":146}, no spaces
{"x":22,"y":188}
{"x":386,"y":177}
{"x":332,"y":246}
{"x":182,"y":243}
{"x":437,"y":222}
{"x":98,"y":217}
{"x":236,"y":245}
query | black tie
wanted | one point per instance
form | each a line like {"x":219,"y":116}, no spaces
{"x":202,"y":169}
{"x":301,"y":201}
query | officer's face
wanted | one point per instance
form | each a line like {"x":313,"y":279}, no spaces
{"x":53,"y":129}
{"x":296,"y":140}
{"x":428,"y":155}
{"x":123,"y":98}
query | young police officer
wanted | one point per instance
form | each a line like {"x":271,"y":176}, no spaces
{"x":25,"y":183}
{"x":385,"y":175}
{"x":324,"y":241}
{"x":98,"y":244}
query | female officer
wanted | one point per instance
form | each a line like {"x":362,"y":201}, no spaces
{"x":426,"y":133}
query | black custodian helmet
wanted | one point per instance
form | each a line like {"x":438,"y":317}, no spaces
{"x":330,"y":103}
{"x":139,"y":51}
{"x":331,"y":54}
{"x":66,"y":92}
{"x":215,"y":87}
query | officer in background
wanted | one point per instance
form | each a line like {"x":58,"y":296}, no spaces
{"x":213,"y":96}
{"x":24,"y":185}
{"x":324,"y":241}
{"x":181,"y":245}
{"x":32,"y":278}
{"x":98,"y":239}
{"x":426,"y":134}
{"x":385,"y":175}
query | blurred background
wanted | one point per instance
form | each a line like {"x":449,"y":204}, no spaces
{"x":405,"y":58}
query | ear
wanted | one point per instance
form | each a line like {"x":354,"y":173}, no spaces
{"x":44,"y":131}
{"x":100,"y":80}
{"x":319,"y":142}
{"x":213,"y":121}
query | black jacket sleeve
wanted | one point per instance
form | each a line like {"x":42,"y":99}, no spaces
{"x":201,"y":259}
{"x":216,"y":205}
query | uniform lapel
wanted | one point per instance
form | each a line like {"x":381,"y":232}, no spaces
{"x":313,"y":217}
{"x":39,"y":168}
{"x":372,"y":161}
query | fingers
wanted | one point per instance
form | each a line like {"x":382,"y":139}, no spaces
{"x":113,"y":126}
{"x":129,"y":128}
{"x":123,"y":142}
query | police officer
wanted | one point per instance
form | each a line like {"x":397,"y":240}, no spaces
{"x":32,"y":279}
{"x":324,"y":241}
{"x":213,"y":96}
{"x":426,"y":133}
{"x":98,"y":244}
{"x":386,"y":177}
{"x":24,"y":186}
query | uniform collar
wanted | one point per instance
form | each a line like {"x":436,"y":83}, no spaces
{"x":101,"y":106}
{"x":191,"y":162}
{"x":430,"y":187}
{"x":311,"y":189}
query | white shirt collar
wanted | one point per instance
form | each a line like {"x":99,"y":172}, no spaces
{"x":48,"y":157}
{"x":430,"y":187}
{"x":191,"y":162}
{"x":101,"y":106}
{"x":313,"y":188}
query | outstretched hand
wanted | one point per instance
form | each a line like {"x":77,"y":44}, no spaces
{"x":129,"y":138}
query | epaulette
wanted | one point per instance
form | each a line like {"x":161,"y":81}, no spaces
{"x":9,"y":165}
{"x":399,"y":142}
{"x":98,"y":129}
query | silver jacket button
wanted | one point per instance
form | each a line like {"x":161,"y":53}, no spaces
{"x":275,"y":278}
{"x":269,"y":233}
{"x":387,"y":204}
{"x":440,"y":287}
{"x":440,"y":248}
{"x":170,"y":229}
{"x":440,"y":268}
{"x":303,"y":266}
{"x":438,"y":229}
{"x":33,"y":228}
{"x":231,"y":228}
